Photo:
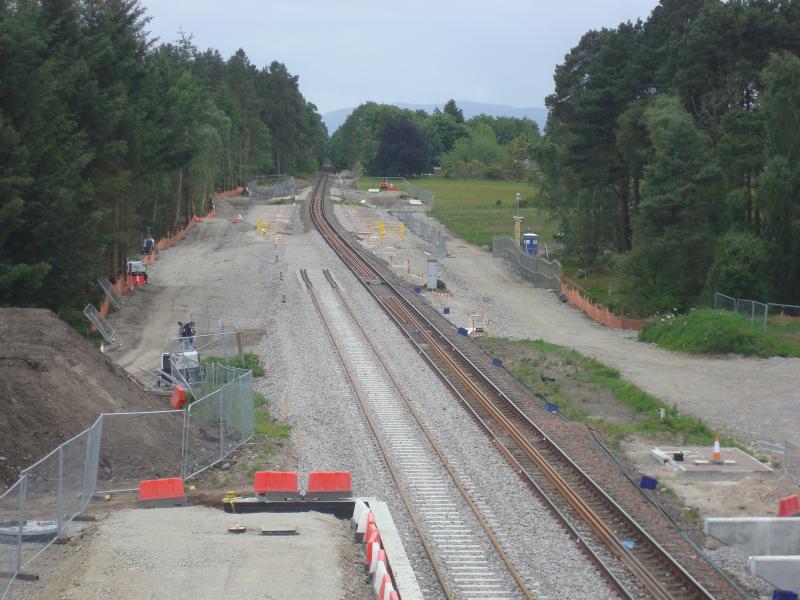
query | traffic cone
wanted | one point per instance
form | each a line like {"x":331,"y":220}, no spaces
{"x":716,"y":455}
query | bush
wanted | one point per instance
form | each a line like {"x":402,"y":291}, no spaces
{"x":708,"y":331}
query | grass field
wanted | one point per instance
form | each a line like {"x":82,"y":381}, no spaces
{"x":469,"y":207}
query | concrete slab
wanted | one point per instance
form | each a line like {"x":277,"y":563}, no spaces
{"x":781,"y":571}
{"x":762,"y":536}
{"x":697,"y":461}
{"x":189,"y":553}
{"x":404,"y":576}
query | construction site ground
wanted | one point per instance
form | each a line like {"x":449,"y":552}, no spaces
{"x":53,"y":386}
{"x":168,"y":553}
{"x":748,"y":399}
{"x":222,"y":269}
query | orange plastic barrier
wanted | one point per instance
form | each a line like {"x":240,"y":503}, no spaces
{"x":372,"y":546}
{"x":385,"y":585}
{"x":371,"y":528}
{"x":276,"y":485}
{"x":234,"y":192}
{"x":162,"y":492}
{"x":789,"y":506}
{"x":329,"y":485}
{"x":178,"y":399}
{"x":595,"y":312}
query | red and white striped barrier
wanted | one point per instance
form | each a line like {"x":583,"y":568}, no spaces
{"x":376,"y":562}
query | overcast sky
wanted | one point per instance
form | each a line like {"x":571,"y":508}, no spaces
{"x":350,"y":51}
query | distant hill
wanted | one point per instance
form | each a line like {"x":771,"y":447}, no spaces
{"x":335,"y":118}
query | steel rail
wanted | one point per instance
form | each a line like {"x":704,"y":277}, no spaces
{"x":411,"y":314}
{"x":437,"y":569}
{"x":437,"y":449}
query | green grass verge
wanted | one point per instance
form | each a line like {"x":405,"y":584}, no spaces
{"x":526,"y":359}
{"x":708,"y":331}
{"x":469,"y":209}
{"x":265,"y":422}
{"x":248,"y":360}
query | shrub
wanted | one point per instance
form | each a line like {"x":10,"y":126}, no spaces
{"x":708,"y":331}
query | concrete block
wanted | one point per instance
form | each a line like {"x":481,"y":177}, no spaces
{"x":404,"y":575}
{"x":781,"y":571}
{"x":758,"y":536}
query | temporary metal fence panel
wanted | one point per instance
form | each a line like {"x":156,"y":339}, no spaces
{"x":115,"y":299}
{"x":789,"y":310}
{"x":137,"y":446}
{"x":221,"y":421}
{"x":114,"y":454}
{"x":103,"y":327}
{"x":427,"y":197}
{"x":539,"y":271}
{"x":791,"y":460}
{"x":429,"y":232}
{"x":224,"y":344}
{"x":753,"y":311}
{"x":206,"y":323}
{"x":723,"y":302}
{"x":41,"y":498}
{"x":267,"y":188}
{"x":11,"y":521}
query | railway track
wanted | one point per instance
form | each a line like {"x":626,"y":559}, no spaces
{"x":634,"y":564}
{"x":469,"y":563}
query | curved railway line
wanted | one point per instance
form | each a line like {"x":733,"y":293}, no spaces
{"x":601,"y":526}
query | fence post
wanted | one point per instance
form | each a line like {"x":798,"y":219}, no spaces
{"x":23,"y":492}
{"x":185,"y":443}
{"x":220,"y":399}
{"x":60,"y":497}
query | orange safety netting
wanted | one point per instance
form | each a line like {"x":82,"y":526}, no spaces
{"x":124,"y":285}
{"x":596,"y":313}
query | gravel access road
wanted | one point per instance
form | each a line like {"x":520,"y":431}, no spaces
{"x":748,"y":398}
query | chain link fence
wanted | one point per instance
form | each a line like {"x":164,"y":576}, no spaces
{"x":206,"y":323}
{"x":791,"y":460}
{"x":427,"y":197}
{"x":114,"y":454}
{"x":103,"y":327}
{"x":219,"y":422}
{"x":430,"y":232}
{"x":539,"y":271}
{"x":265,"y":188}
{"x":753,"y":311}
{"x":225,"y":344}
{"x":116,"y":300}
{"x":789,"y":310}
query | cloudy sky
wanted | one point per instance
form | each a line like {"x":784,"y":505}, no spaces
{"x":350,"y":51}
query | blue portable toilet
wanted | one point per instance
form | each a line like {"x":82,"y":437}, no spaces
{"x":530,"y":243}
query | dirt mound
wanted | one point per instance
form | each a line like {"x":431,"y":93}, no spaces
{"x":53,"y":385}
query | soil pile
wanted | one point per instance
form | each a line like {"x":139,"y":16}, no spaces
{"x":53,"y":385}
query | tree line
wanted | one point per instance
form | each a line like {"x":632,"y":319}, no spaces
{"x":104,"y":132}
{"x":672,"y":152}
{"x":385,"y":140}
